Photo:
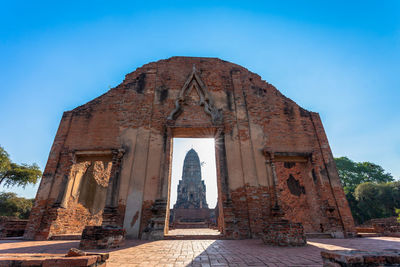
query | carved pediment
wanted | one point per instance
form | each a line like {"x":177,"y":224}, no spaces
{"x":194,"y":82}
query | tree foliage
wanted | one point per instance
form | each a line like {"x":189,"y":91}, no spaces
{"x":377,"y":200}
{"x":370,"y":191}
{"x":354,"y":173}
{"x":13,"y":174}
{"x":12,"y":205}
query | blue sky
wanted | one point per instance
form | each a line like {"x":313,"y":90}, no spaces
{"x":338,"y":58}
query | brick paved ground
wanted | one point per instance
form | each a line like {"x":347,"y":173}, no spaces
{"x":209,"y":252}
{"x":194,"y":231}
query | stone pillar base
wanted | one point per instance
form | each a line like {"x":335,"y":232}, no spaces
{"x":284,"y":233}
{"x":155,"y":229}
{"x":102,"y":237}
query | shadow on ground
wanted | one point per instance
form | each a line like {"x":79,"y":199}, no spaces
{"x":255,"y":253}
{"x":251,"y":252}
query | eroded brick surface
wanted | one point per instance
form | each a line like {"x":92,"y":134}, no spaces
{"x":11,"y":227}
{"x":302,"y":195}
{"x":284,"y":233}
{"x":355,"y":258}
{"x":261,"y":136}
{"x":101,"y":237}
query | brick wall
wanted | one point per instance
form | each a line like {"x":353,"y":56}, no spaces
{"x":256,"y":117}
{"x":12,"y":227}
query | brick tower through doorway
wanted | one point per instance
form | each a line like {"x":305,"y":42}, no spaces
{"x":191,"y":208}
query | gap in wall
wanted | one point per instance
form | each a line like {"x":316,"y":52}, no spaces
{"x":205,"y":148}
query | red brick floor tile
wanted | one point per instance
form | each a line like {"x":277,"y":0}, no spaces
{"x":209,"y":252}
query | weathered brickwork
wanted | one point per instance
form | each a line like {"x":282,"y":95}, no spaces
{"x":147,"y":214}
{"x":251,"y":208}
{"x":300,"y":195}
{"x":284,"y":233}
{"x":74,"y":257}
{"x":102,"y":237}
{"x":259,"y":133}
{"x":12,"y":227}
{"x":386,"y":226}
{"x":354,"y":258}
{"x":73,"y":219}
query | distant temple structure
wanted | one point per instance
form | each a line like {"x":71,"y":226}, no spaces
{"x":191,"y":208}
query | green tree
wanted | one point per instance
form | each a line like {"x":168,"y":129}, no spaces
{"x":13,"y":174}
{"x":12,"y":205}
{"x":366,"y":198}
{"x":376,"y":200}
{"x":396,"y":193}
{"x":354,"y":173}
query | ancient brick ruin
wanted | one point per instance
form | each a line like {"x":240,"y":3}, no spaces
{"x":191,"y":208}
{"x":74,"y":257}
{"x":12,"y":227}
{"x":102,"y":237}
{"x":355,"y":258}
{"x":110,"y":163}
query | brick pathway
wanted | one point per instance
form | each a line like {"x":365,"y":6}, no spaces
{"x":209,"y":252}
{"x":194,"y":231}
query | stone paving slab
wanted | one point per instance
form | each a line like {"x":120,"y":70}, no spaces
{"x":210,"y":252}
